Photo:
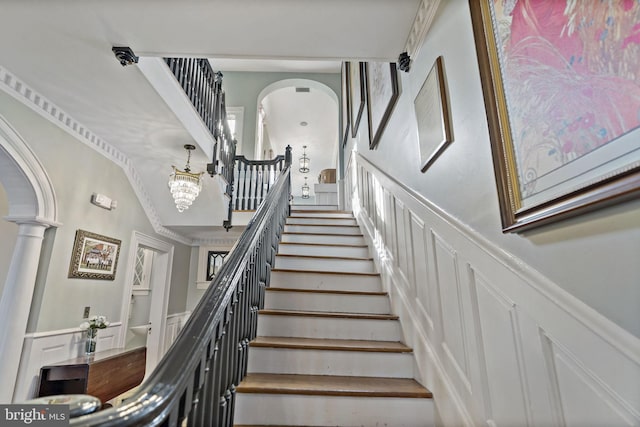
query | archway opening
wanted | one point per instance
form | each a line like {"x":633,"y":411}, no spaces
{"x":300,"y":113}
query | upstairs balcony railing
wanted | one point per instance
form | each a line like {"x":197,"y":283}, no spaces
{"x":248,"y":181}
{"x":203,"y":87}
{"x":194,"y":384}
{"x":253,"y":179}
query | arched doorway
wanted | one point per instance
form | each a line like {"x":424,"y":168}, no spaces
{"x":300,"y":113}
{"x":32,"y":206}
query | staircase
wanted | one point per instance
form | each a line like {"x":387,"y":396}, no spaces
{"x":328,"y":351}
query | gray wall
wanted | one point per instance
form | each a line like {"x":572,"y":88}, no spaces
{"x":8,"y":235}
{"x":76,"y":172}
{"x":594,"y":256}
{"x":242,"y":90}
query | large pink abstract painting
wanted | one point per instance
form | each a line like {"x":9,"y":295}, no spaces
{"x":561,"y":82}
{"x":571,"y":72}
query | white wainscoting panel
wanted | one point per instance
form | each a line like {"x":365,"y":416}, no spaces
{"x":454,"y":345}
{"x":501,"y":338}
{"x":175,"y":322}
{"x":390,"y":236}
{"x":496,"y":342}
{"x":401,"y":237}
{"x":44,"y":348}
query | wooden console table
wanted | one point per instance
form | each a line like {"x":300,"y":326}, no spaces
{"x":104,"y":375}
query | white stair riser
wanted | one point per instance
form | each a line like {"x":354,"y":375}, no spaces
{"x":327,"y":240}
{"x":346,"y":282}
{"x":336,"y":303}
{"x":330,"y":362}
{"x":322,"y":221}
{"x":319,"y":250}
{"x":322,"y":229}
{"x":304,"y":410}
{"x":328,"y":264}
{"x":321,"y":214}
{"x":323,"y":327}
{"x":314,"y":207}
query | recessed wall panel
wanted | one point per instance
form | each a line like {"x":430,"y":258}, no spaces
{"x":500,"y":336}
{"x":453,"y":324}
{"x":581,"y":398}
{"x":419,"y":260}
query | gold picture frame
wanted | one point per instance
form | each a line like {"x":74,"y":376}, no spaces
{"x":563,"y":135}
{"x":94,"y":256}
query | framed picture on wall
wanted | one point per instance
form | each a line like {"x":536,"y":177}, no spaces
{"x":94,"y":256}
{"x":346,"y":104}
{"x":432,"y":115}
{"x":357,"y":93}
{"x":562,"y":108}
{"x":382,"y":95}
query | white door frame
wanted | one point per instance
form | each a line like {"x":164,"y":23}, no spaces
{"x":160,"y":286}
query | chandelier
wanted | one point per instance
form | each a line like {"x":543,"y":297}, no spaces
{"x":185,"y":186}
{"x":304,"y":161}
{"x":305,"y":189}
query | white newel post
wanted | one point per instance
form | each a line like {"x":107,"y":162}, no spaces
{"x":16,"y":302}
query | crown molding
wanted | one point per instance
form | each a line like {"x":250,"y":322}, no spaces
{"x":421,"y":25}
{"x":19,"y":90}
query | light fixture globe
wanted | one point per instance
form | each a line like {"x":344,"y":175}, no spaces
{"x":184,"y":185}
{"x":305,"y":189}
{"x":304,"y":161}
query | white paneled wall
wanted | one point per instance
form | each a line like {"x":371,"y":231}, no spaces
{"x":175,"y":323}
{"x":44,"y":348}
{"x":498,"y":343}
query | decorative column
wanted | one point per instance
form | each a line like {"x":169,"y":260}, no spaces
{"x":16,"y":301}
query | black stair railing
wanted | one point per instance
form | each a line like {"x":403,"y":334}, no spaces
{"x":194,"y":384}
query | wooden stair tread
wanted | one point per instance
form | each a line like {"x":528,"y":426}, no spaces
{"x":325,"y":225}
{"x":320,"y":217}
{"x":330,"y":211}
{"x":329,"y":314}
{"x":326,"y":291}
{"x":332,"y":385}
{"x":306,"y":233}
{"x":348,"y":273}
{"x":329,"y":245}
{"x":330,"y":344}
{"x":326,"y":257}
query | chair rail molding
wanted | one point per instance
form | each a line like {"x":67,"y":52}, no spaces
{"x":44,"y":348}
{"x":509,"y":346}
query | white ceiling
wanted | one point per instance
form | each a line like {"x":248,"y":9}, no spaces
{"x":62,"y":49}
{"x":276,"y":65}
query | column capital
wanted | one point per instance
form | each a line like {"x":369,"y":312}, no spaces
{"x":32,"y":220}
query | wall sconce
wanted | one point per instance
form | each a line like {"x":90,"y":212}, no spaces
{"x":304,"y":161}
{"x":103,"y":201}
{"x":305,"y":189}
{"x":185,"y":186}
